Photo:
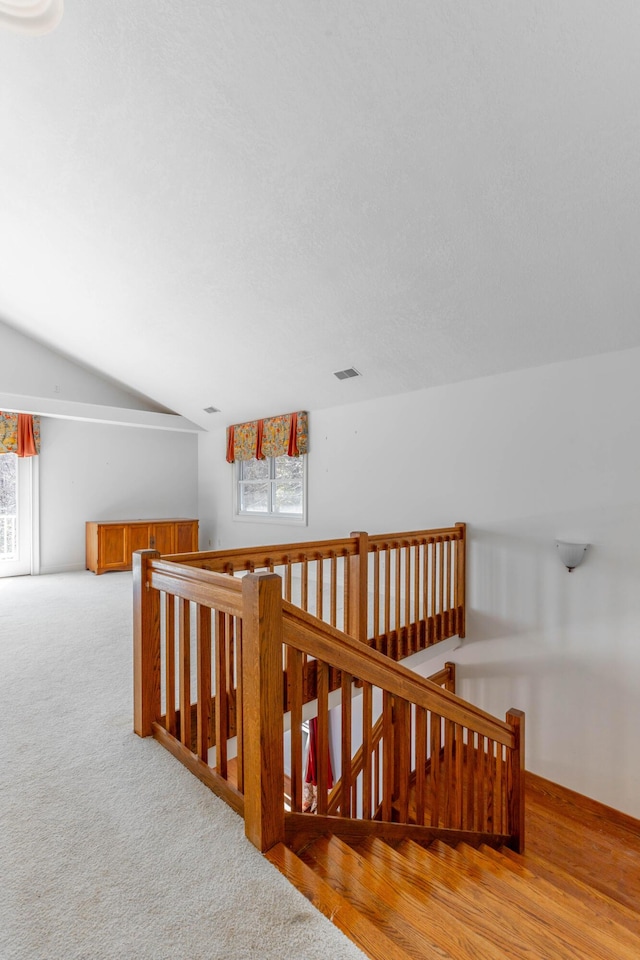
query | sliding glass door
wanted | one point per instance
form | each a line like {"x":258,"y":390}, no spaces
{"x":16,"y":515}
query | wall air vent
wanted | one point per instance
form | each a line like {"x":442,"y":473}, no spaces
{"x":347,"y":374}
{"x":211,"y":410}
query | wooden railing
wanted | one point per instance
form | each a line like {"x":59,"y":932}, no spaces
{"x":424,"y":757}
{"x":220,"y":660}
{"x":398,"y":592}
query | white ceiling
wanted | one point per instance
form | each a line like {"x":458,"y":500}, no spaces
{"x":224,"y":202}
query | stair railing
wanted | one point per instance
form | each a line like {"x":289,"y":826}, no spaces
{"x":398,"y":592}
{"x":218,"y":659}
{"x":425,"y":759}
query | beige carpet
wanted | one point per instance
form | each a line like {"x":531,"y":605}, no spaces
{"x":108,"y":847}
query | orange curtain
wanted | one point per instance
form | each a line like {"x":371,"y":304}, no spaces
{"x":283,"y":436}
{"x":19,"y":434}
{"x":26,"y":436}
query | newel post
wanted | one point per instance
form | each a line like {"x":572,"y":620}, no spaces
{"x":146,"y":645}
{"x":515,"y":781}
{"x":357,"y":612}
{"x":263,"y":702}
{"x":461,"y":579}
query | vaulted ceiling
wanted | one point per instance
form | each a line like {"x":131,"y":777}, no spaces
{"x":222,"y":203}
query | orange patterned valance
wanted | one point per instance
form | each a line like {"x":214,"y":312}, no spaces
{"x":284,"y":436}
{"x":20,"y":434}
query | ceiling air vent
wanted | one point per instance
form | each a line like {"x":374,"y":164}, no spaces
{"x":211,"y":410}
{"x":347,"y":374}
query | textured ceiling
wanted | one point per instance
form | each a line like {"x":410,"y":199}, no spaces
{"x":223,"y":203}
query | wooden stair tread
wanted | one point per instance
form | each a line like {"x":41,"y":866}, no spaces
{"x":435,"y":933}
{"x":440,"y":888}
{"x":356,"y":925}
{"x":521,"y":920}
{"x":564,"y":907}
{"x":562,"y":879}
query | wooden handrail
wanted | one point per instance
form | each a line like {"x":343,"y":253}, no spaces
{"x":274,"y":555}
{"x":309,"y":635}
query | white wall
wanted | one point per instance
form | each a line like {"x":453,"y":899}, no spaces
{"x":523,"y":458}
{"x":95,"y":470}
{"x":92,"y":471}
{"x":35,"y":370}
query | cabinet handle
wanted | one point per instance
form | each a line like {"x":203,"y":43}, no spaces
{"x":152,"y":543}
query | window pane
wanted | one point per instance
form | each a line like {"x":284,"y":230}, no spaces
{"x":254,"y":497}
{"x":288,"y":496}
{"x":8,"y":505}
{"x":254,"y":469}
{"x":289,"y":468}
{"x":8,"y":485}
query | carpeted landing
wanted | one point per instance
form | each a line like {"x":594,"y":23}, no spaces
{"x":109,"y":848}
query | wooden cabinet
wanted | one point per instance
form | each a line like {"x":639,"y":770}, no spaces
{"x":110,"y":543}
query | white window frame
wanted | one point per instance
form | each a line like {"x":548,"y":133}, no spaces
{"x":295,"y":519}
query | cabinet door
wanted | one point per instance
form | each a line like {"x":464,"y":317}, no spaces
{"x":139,"y":538}
{"x":113,"y":546}
{"x":163,"y":537}
{"x":187,"y":536}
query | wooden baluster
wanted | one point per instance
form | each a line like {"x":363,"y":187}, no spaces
{"x":262,"y":706}
{"x":397,"y":556}
{"x":229,"y":673}
{"x":146,"y":645}
{"x":376,"y":598}
{"x":441,"y":575}
{"x":470,"y":781}
{"x":367,"y":747}
{"x":499,"y":791}
{"x":333,"y":589}
{"x":388,"y":755}
{"x":294,"y":679}
{"x":447,"y":588}
{"x":319,"y":588}
{"x":323,"y":736}
{"x":457,"y":818}
{"x":408,"y":646}
{"x":239,"y":705}
{"x":221,"y":704}
{"x":417,"y":552}
{"x":490,"y":782}
{"x":435,"y":768}
{"x":425,"y":592}
{"x":449,"y":773}
{"x":388,"y":649}
{"x":515,"y":782}
{"x":304,"y":586}
{"x":421,"y":763}
{"x":170,"y":662}
{"x":346,"y":591}
{"x":461,"y":579}
{"x":402,"y":737}
{"x":287,"y":581}
{"x":377,"y":782}
{"x":480,"y":778}
{"x":203,"y":708}
{"x":347,"y":763}
{"x":184,"y":669}
{"x":433,"y":632}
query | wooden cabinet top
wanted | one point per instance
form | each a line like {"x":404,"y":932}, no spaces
{"x":104,"y":523}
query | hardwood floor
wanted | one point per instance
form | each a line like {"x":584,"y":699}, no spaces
{"x":574,"y":893}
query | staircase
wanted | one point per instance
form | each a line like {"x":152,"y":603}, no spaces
{"x":575,"y":893}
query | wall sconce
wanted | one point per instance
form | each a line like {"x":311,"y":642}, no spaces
{"x":571,"y":554}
